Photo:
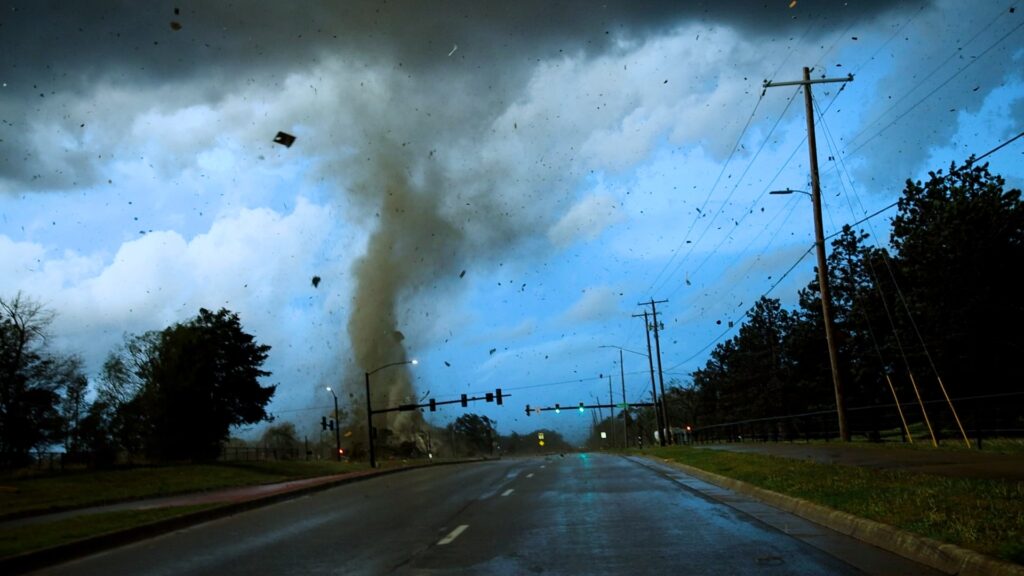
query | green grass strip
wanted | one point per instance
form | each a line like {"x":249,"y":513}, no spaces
{"x":983,"y":515}
{"x":29,"y":538}
{"x":68,"y":490}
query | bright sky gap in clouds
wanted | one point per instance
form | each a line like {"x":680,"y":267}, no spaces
{"x":520,"y":194}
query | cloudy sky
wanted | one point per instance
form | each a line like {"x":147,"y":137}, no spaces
{"x":491,"y":188}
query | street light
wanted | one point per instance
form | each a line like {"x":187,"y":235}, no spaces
{"x":788,"y":191}
{"x":369,"y":408}
{"x":337,"y":426}
{"x":826,"y":303}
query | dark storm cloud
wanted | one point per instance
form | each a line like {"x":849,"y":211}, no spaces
{"x":53,"y":52}
{"x":69,"y":44}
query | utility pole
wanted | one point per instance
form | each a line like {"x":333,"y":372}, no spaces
{"x":666,"y":430}
{"x":650,"y":362}
{"x":611,"y":410}
{"x":819,"y":236}
{"x":622,"y":376}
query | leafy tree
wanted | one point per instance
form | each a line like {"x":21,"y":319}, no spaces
{"x":960,"y":240}
{"x":178,"y":392}
{"x":73,"y":405}
{"x":118,"y":422}
{"x":31,"y":378}
{"x":282,"y":440}
{"x":476,"y":432}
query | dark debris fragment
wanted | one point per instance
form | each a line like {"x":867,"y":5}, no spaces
{"x":285,"y":139}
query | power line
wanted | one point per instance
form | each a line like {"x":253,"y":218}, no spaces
{"x":934,"y":90}
{"x":700,"y":210}
{"x":992,"y":151}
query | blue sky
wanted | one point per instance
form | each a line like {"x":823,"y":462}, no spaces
{"x":571,"y":170}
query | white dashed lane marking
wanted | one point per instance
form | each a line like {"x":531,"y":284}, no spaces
{"x":507,"y":492}
{"x":453,"y":535}
{"x":530,"y":475}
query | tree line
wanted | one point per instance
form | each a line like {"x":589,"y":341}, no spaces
{"x":166,"y":395}
{"x":939,"y":309}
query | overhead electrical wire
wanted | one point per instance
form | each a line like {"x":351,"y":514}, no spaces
{"x":932,"y":92}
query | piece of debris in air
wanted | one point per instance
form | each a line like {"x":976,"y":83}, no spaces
{"x":285,"y":139}
{"x":175,"y":25}
{"x":316,"y":281}
{"x":447,"y":364}
{"x":792,"y":4}
{"x":454,"y":48}
{"x":461,"y":274}
{"x":493,"y":350}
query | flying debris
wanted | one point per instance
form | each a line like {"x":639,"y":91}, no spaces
{"x":493,"y":350}
{"x":285,"y":139}
{"x":175,"y":25}
{"x":454,"y":48}
{"x":447,"y":364}
{"x":316,"y":281}
{"x":461,"y":274}
{"x":792,"y":4}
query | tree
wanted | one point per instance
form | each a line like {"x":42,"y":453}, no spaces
{"x":476,"y":432}
{"x":73,"y":405}
{"x":282,"y":440}
{"x":959,"y":238}
{"x":180,"y":391}
{"x":31,"y":378}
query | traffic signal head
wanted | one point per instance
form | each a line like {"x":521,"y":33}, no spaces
{"x":581,"y":407}
{"x":490,"y":397}
{"x":433,"y":405}
{"x":465,"y":400}
{"x":323,"y":422}
{"x":330,"y":424}
{"x":558,"y":409}
{"x":527,"y":409}
{"x":497,"y":394}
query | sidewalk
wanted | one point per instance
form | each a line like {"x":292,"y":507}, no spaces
{"x":955,"y":463}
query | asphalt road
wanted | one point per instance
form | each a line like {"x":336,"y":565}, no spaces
{"x":577,"y":514}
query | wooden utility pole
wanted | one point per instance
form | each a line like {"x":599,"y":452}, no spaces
{"x":650,"y":363}
{"x":819,"y":236}
{"x":622,"y":376}
{"x":666,"y":430}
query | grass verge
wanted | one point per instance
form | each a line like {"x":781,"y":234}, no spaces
{"x":24,"y":539}
{"x":983,"y":515}
{"x":69,"y":490}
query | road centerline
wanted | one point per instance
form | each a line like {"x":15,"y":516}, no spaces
{"x":452,"y":535}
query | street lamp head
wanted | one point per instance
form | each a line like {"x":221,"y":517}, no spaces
{"x":414,"y":362}
{"x":328,"y":388}
{"x":789,"y":191}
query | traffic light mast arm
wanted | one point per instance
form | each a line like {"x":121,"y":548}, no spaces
{"x":410,"y":407}
{"x":585,"y":406}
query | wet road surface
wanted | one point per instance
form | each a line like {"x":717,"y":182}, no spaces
{"x":577,"y":514}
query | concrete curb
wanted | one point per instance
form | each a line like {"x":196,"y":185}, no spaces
{"x":947,"y":558}
{"x":39,"y":559}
